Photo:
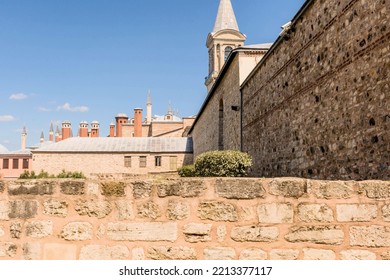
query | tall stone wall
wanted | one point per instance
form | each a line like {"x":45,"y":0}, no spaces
{"x":190,"y":219}
{"x":318,"y":105}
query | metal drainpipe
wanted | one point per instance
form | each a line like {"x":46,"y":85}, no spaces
{"x":241,"y":120}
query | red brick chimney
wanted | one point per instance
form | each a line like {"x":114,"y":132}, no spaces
{"x":120,"y":119}
{"x":95,"y":129}
{"x":83,"y":132}
{"x":137,"y":122}
{"x":66,"y":127}
{"x":112,"y":130}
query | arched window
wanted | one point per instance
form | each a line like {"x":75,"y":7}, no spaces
{"x":220,"y":126}
{"x":228,"y":50}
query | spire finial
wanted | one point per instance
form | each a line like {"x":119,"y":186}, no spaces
{"x":149,"y":100}
{"x":225,"y":18}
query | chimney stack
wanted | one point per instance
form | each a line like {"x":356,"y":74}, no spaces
{"x":137,"y":122}
{"x":66,"y":130}
{"x":120,"y":119}
{"x":83,"y":130}
{"x":112,"y":130}
{"x":95,"y":129}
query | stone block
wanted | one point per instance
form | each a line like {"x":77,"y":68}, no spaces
{"x":93,"y":208}
{"x":55,"y":208}
{"x":73,"y":187}
{"x":284,"y":254}
{"x":329,"y":235}
{"x":59,"y":251}
{"x":275,"y":213}
{"x":318,"y":254}
{"x":248,"y":213}
{"x":2,"y":232}
{"x":138,"y":254}
{"x":2,"y":186}
{"x":332,"y":189}
{"x":92,"y":189}
{"x":314,"y":213}
{"x":386,"y":256}
{"x":125,"y":209}
{"x":77,"y":231}
{"x":4,"y":210}
{"x":219,"y":253}
{"x":142,"y":189}
{"x":221,"y":233}
{"x":357,"y":255}
{"x":356,"y":212}
{"x":32,"y":251}
{"x":254,"y":234}
{"x":113,"y":188}
{"x":171,"y":253}
{"x":240,"y":188}
{"x":102,"y":252}
{"x":288,"y":187}
{"x":39,"y":229}
{"x":23,"y":209}
{"x":16,"y":230}
{"x":217,"y":211}
{"x":142,"y":231}
{"x":375,"y":189}
{"x":178,"y":210}
{"x":386,"y":212}
{"x":149,"y":210}
{"x":8,"y":249}
{"x":369,"y":236}
{"x":31,"y":187}
{"x":197,"y":232}
{"x":183,"y":188}
{"x":252,"y":254}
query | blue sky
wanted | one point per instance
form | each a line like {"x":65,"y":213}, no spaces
{"x":92,"y":59}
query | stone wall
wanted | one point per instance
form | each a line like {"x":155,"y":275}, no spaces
{"x":318,"y":104}
{"x":188,"y":219}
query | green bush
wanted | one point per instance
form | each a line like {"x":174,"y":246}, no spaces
{"x":187,"y":171}
{"x":223,"y":164}
{"x":45,"y":175}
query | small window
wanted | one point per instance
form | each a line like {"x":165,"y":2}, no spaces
{"x":127,"y":161}
{"x":228,"y":50}
{"x":6,"y":163}
{"x":25,"y":163}
{"x":142,"y":161}
{"x":15,"y":163}
{"x":157,"y":161}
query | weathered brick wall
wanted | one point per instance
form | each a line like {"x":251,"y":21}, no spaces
{"x":318,"y":105}
{"x":195,"y":219}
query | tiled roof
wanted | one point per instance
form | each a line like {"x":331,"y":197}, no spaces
{"x":119,"y":145}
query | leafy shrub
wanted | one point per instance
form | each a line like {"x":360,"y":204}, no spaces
{"x":45,"y":175}
{"x":187,"y":171}
{"x":223,"y":164}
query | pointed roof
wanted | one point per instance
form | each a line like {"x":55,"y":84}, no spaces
{"x":24,"y":131}
{"x":42,"y":135}
{"x":51,"y":128}
{"x":149,"y":100}
{"x":225,"y":18}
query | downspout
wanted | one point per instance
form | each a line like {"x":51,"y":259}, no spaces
{"x":241,"y":120}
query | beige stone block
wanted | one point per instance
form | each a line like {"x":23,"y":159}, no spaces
{"x":330,"y":235}
{"x":16,"y":230}
{"x":23,"y":209}
{"x":8,"y":249}
{"x":92,"y":189}
{"x":32,"y":251}
{"x":142,"y":231}
{"x":369,"y":236}
{"x":138,"y":254}
{"x":149,"y":210}
{"x":171,"y":253}
{"x":197,"y":232}
{"x":275,"y":213}
{"x":318,"y":254}
{"x":113,"y":188}
{"x":4,"y":210}
{"x":219,"y":253}
{"x":240,"y":189}
{"x":386,"y":212}
{"x":2,"y":232}
{"x":315,"y":213}
{"x":76,"y":231}
{"x":375,"y":189}
{"x":125,"y":210}
{"x":288,"y":187}
{"x":178,"y":210}
{"x":59,"y":251}
{"x":73,"y":187}
{"x":183,"y":188}
{"x":31,"y":187}
{"x":2,"y":186}
{"x":39,"y":229}
{"x":284,"y":254}
{"x":55,"y":208}
{"x":252,"y":254}
{"x":221,"y":233}
{"x":356,"y":212}
{"x":386,"y":256}
{"x":254,"y":234}
{"x":217,"y":211}
{"x":99,"y":209}
{"x":141,"y":189}
{"x":332,"y":189}
{"x":357,"y":255}
{"x":101,"y":252}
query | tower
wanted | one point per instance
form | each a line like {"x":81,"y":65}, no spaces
{"x":24,"y":138}
{"x":225,"y":37}
{"x":149,"y":109}
{"x":42,"y":139}
{"x":51,"y":133}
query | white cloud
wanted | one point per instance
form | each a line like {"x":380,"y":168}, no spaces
{"x":67,"y":107}
{"x":18,"y":96}
{"x":6,"y":118}
{"x":43,"y":109}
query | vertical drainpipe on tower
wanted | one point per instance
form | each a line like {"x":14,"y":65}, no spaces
{"x":241,"y":120}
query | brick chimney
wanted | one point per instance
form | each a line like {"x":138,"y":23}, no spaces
{"x":66,"y":130}
{"x":137,"y":122}
{"x":83,"y":129}
{"x":112,"y":130}
{"x":51,"y":133}
{"x":95,"y":129}
{"x":120,"y":119}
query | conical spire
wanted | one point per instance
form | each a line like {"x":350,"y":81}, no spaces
{"x":225,"y":18}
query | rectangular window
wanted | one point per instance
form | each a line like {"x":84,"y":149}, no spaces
{"x":142,"y":161}
{"x":6,"y":163}
{"x":127,"y":161}
{"x":173,"y":163}
{"x":157,"y":161}
{"x":25,"y":163}
{"x":15,"y":163}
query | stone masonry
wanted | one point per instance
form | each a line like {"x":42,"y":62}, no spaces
{"x":194,"y":219}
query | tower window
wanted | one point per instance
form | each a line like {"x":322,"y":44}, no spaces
{"x":228,"y":50}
